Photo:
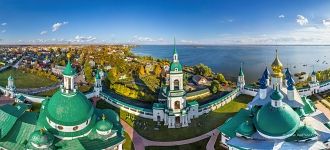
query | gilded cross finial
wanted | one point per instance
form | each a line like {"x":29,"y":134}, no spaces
{"x":42,"y":130}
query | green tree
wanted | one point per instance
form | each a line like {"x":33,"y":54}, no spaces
{"x":203,"y":70}
{"x":215,"y":86}
{"x":221,"y":78}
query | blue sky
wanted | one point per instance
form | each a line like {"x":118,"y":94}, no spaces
{"x":157,"y":22}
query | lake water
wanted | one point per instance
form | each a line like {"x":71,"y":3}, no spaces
{"x":227,"y":59}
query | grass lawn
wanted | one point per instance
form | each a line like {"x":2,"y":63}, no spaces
{"x":24,"y":80}
{"x":205,"y":123}
{"x":200,"y":145}
{"x":128,"y":145}
{"x":36,"y":107}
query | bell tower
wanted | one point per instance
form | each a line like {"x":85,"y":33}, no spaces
{"x":69,"y":74}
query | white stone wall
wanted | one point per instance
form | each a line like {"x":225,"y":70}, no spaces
{"x":156,"y":113}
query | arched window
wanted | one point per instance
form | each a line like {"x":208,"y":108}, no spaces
{"x":176,"y":84}
{"x":177,"y":105}
{"x":60,"y":127}
{"x":75,"y":128}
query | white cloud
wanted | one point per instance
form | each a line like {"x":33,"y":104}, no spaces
{"x":301,"y":20}
{"x":186,"y":41}
{"x":58,"y":25}
{"x":4,"y":24}
{"x":143,"y":39}
{"x":326,"y":22}
{"x":3,"y":31}
{"x":43,"y":32}
{"x":82,"y":39}
{"x":281,"y":16}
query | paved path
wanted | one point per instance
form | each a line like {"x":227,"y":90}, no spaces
{"x":321,"y":107}
{"x":140,"y":142}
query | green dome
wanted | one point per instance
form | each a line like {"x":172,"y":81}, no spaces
{"x":41,"y":137}
{"x":276,"y":95}
{"x":175,"y":65}
{"x":104,"y":125}
{"x":69,"y":110}
{"x":306,"y":132}
{"x":246,"y":129}
{"x":276,"y":121}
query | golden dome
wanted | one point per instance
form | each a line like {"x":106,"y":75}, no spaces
{"x":68,"y":55}
{"x":277,"y":67}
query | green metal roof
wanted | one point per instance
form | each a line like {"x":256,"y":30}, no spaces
{"x":174,"y":66}
{"x":68,"y":70}
{"x":241,"y":71}
{"x":308,"y":105}
{"x":69,"y":109}
{"x":231,"y":125}
{"x":276,"y":121}
{"x":192,"y":103}
{"x":20,"y":132}
{"x":158,"y":106}
{"x":97,"y":75}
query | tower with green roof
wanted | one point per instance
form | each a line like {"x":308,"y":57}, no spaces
{"x":97,"y":83}
{"x":175,"y":112}
{"x":10,"y":88}
{"x":240,"y":79}
{"x":314,"y":84}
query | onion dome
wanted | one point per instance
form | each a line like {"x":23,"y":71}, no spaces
{"x":277,"y":67}
{"x":263,"y":82}
{"x":287,"y":74}
{"x":276,"y":122}
{"x":103,"y":125}
{"x":69,"y":109}
{"x":305,"y":132}
{"x":41,"y":138}
{"x":246,"y":129}
{"x":290,"y":83}
{"x":266,"y":73}
{"x":175,"y":66}
{"x":276,"y":95}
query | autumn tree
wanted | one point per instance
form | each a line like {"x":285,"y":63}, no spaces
{"x":141,"y":71}
{"x":157,"y":70}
